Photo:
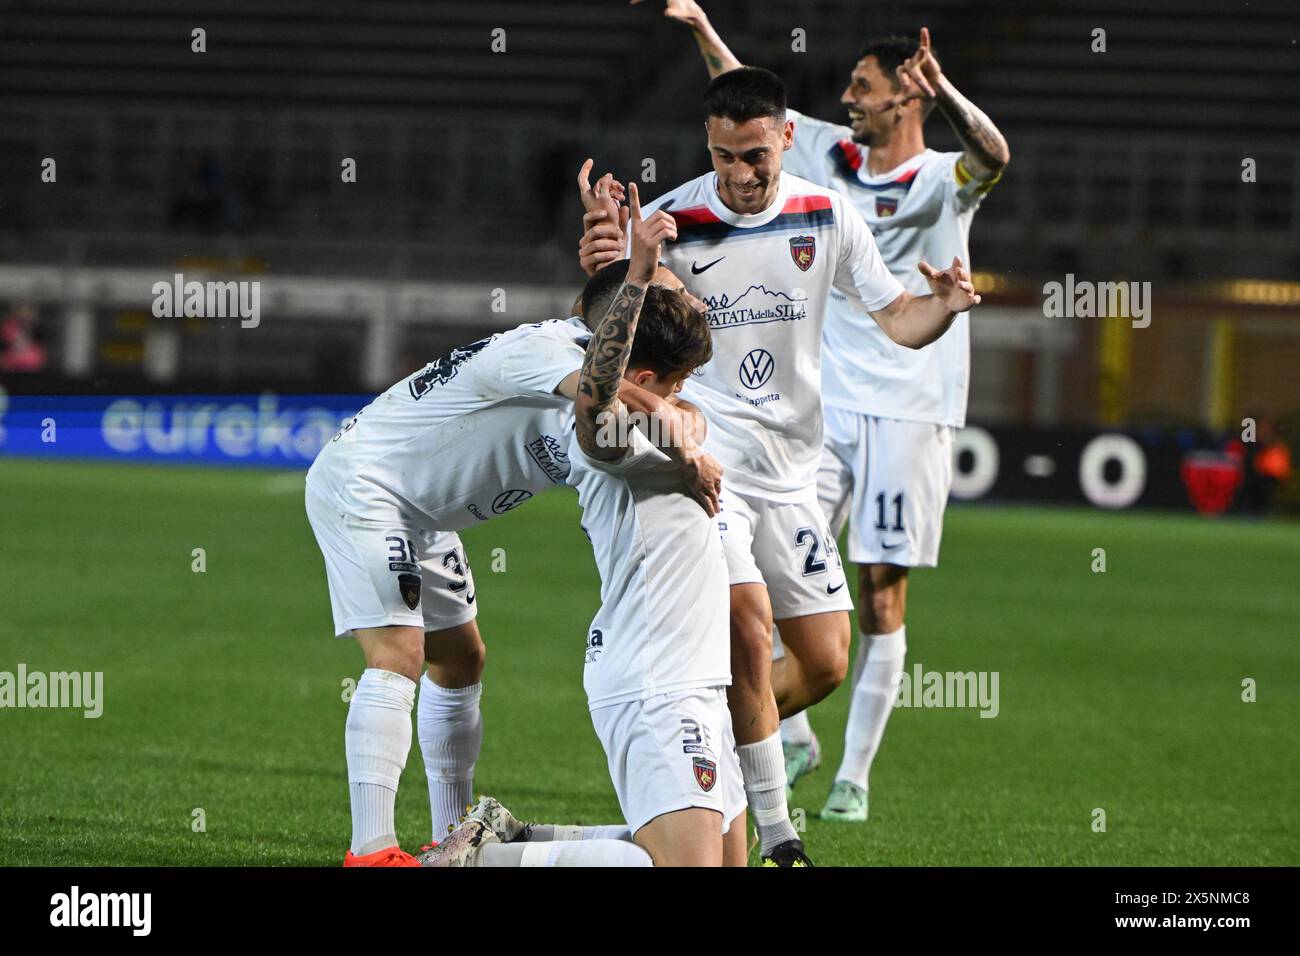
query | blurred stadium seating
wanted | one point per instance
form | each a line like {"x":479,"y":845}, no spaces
{"x":1126,"y":165}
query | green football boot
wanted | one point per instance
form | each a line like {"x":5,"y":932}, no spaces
{"x":847,"y":803}
{"x":800,"y":760}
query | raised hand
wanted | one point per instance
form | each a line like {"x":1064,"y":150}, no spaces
{"x":604,"y":224}
{"x":607,"y":194}
{"x":919,"y":76}
{"x":685,"y":11}
{"x":952,"y":286}
{"x":602,"y":241}
{"x":648,"y":237}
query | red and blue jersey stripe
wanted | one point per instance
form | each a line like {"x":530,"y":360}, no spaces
{"x":847,"y":157}
{"x":800,"y":213}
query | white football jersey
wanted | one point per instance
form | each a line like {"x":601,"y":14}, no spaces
{"x":472,"y":435}
{"x":664,"y":598}
{"x":920,"y":210}
{"x":765,"y":279}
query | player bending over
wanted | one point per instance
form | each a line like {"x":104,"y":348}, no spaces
{"x":471,"y":436}
{"x":890,"y":412}
{"x":764,"y":250}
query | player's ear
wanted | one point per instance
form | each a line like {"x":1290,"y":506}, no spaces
{"x":787,"y":135}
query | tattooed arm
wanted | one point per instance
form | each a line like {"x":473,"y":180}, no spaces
{"x":987,"y":153}
{"x":986,"y":150}
{"x":597,"y":403}
{"x":597,"y":406}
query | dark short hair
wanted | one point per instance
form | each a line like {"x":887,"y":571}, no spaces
{"x":745,"y":94}
{"x":672,"y":336}
{"x":600,"y":290}
{"x":892,"y":52}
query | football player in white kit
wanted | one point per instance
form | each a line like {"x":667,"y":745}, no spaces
{"x":657,"y":659}
{"x":764,"y":249}
{"x":890,"y":412}
{"x":473,"y":435}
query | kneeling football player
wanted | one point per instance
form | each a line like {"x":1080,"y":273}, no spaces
{"x":658,"y":651}
{"x":658,"y":654}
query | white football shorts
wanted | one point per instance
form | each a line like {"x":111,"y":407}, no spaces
{"x":890,"y":480}
{"x":672,"y":752}
{"x":383,"y":574}
{"x":787,"y":546}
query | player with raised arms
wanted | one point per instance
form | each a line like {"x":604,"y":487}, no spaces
{"x":764,"y":249}
{"x":890,"y":412}
{"x":472,"y":435}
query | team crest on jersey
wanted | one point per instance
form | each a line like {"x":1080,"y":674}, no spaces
{"x":409,"y":586}
{"x":706,"y":773}
{"x":803,"y":250}
{"x":886,"y":206}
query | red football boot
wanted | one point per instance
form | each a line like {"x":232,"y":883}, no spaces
{"x":392,"y":856}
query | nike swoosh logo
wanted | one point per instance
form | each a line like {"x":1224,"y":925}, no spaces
{"x":891,"y":547}
{"x":832,"y":590}
{"x":469,"y":599}
{"x":696,"y":270}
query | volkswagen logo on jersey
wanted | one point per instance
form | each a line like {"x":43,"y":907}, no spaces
{"x":509,"y":500}
{"x":803,"y":249}
{"x":756,"y":368}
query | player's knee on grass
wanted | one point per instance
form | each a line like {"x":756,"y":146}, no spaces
{"x":455,"y":656}
{"x":690,"y":837}
{"x":396,"y":649}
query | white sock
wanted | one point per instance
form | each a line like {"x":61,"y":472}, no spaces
{"x":880,"y":661}
{"x":565,"y":853}
{"x":553,"y":832}
{"x":796,"y":729}
{"x":451,"y":736}
{"x":763,"y":767}
{"x":377,"y":739}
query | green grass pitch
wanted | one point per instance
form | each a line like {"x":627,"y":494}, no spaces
{"x":223,"y":689}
